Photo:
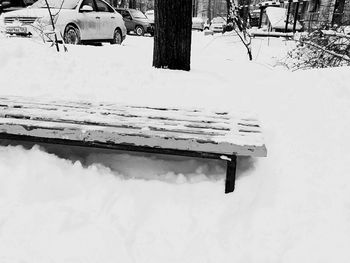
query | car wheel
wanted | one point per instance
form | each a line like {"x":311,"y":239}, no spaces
{"x":139,"y":31}
{"x":72,"y":35}
{"x":117,"y":37}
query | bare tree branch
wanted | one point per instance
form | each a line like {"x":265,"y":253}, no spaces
{"x":325,"y":50}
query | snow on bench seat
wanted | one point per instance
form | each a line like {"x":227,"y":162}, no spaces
{"x":189,"y":132}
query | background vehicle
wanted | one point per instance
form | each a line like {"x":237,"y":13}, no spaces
{"x":197,"y":23}
{"x":217,"y":24}
{"x":136,"y":21}
{"x":11,"y":5}
{"x":75,"y":20}
{"x":150,"y":15}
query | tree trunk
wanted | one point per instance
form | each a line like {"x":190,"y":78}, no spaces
{"x":229,"y":17}
{"x":123,"y":4}
{"x":194,"y":8}
{"x":132,"y":4}
{"x":209,"y":10}
{"x":172,"y":37}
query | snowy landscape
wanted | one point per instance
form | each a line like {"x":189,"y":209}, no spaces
{"x":83,"y":205}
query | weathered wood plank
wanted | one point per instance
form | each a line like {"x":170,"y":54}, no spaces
{"x":91,"y":133}
{"x":133,"y":116}
{"x":134,"y":121}
{"x":130,"y":115}
{"x":122,"y":109}
{"x":109,"y":120}
{"x":181,"y":129}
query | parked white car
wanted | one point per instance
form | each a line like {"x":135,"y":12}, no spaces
{"x":217,"y":24}
{"x":197,"y":23}
{"x":150,"y":15}
{"x":75,"y":21}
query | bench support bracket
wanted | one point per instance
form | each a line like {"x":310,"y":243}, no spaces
{"x":230,"y":174}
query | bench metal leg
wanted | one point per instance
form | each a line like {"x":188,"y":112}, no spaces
{"x":230,"y":174}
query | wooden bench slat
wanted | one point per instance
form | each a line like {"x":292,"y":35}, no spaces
{"x":122,"y":109}
{"x":109,"y":135}
{"x":111,"y":120}
{"x":138,"y":122}
{"x":157,"y":115}
{"x":182,"y":129}
{"x":201,"y":134}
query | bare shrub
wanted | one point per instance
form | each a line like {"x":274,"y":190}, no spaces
{"x":321,"y":48}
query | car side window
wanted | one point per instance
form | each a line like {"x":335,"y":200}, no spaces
{"x":89,"y":3}
{"x":103,"y":7}
{"x":126,"y":15}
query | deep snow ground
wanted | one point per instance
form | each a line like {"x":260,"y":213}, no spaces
{"x":79,"y":205}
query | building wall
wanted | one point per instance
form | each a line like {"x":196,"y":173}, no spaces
{"x":327,"y":13}
{"x":318,"y":13}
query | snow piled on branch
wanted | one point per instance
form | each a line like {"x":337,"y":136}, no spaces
{"x":83,"y":205}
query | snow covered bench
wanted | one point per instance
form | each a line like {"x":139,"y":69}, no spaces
{"x":186,"y":132}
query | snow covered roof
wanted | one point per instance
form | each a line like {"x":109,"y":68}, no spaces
{"x":278,"y":16}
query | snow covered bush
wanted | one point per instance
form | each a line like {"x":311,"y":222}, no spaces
{"x":2,"y":24}
{"x":321,"y":48}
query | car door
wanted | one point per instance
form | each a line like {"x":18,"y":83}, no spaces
{"x":87,"y":21}
{"x":107,"y":20}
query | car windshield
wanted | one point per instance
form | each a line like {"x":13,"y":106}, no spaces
{"x":218,"y":20}
{"x":137,"y":14}
{"x":197,"y":20}
{"x":64,"y":4}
